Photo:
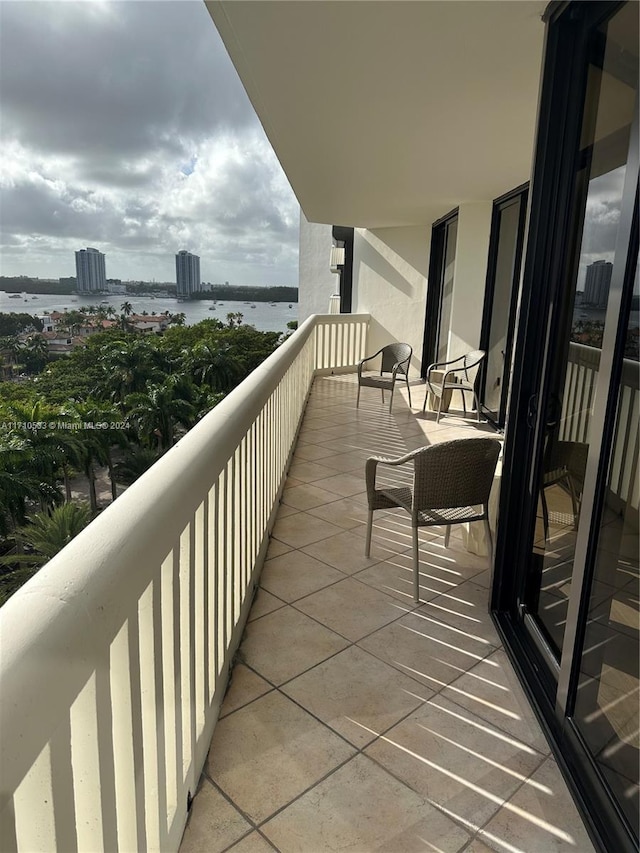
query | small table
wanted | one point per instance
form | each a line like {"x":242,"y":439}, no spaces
{"x":432,"y":400}
{"x":473,"y":534}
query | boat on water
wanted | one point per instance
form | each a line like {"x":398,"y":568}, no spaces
{"x":253,"y":306}
{"x":213,"y":308}
{"x":15,"y":296}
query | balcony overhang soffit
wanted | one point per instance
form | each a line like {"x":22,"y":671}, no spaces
{"x":390,"y":113}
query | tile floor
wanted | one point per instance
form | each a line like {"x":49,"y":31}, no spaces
{"x":355,"y":719}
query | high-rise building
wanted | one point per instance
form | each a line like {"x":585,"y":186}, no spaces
{"x":187,"y":273}
{"x":90,"y":271}
{"x":597,"y":283}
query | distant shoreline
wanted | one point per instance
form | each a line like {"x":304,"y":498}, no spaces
{"x":240,"y":293}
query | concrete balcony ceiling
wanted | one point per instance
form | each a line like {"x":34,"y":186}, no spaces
{"x":391,"y":113}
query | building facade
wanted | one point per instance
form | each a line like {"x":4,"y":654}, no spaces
{"x":596,"y":284}
{"x":187,"y":274}
{"x":90,"y":271}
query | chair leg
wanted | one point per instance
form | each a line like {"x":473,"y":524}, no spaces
{"x":439,"y":409}
{"x":367,"y":542}
{"x":416,"y":567}
{"x":447,"y":534}
{"x":487,"y":529}
{"x":358,"y":398}
{"x":391,"y":400}
{"x":475,"y":397}
{"x":426,"y":396}
{"x":406,"y":378}
{"x":464,"y":404}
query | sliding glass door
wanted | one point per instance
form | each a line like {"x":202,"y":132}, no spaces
{"x":569,"y":513}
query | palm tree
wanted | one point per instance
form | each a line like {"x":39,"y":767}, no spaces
{"x":47,"y":533}
{"x":37,"y":353}
{"x":158,"y":411}
{"x":18,"y":482}
{"x":126,"y":308}
{"x":128,"y":367}
{"x":135,"y":462}
{"x":215,"y":366}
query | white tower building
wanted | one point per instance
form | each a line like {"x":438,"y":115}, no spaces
{"x":90,"y":271}
{"x":187,"y":273}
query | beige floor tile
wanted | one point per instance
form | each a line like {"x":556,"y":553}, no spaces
{"x":252,"y":843}
{"x":213,"y":824}
{"x":431,"y":652}
{"x":276,"y":548}
{"x":476,"y":846}
{"x":345,"y":462}
{"x":306,"y":496}
{"x":540,"y":818}
{"x":245,"y":686}
{"x":284,"y":511}
{"x":303,"y":529}
{"x":285,"y":643}
{"x":492,"y":691}
{"x":309,"y":472}
{"x":346,"y":513}
{"x":467,"y":608}
{"x":395,"y":577}
{"x":362,"y":809}
{"x":356,"y":694}
{"x":315,"y":421}
{"x":455,"y":760}
{"x":264,"y":603}
{"x":344,"y":485}
{"x":311,"y":453}
{"x":270,"y":751}
{"x":345,"y":551}
{"x":352,"y":609}
{"x":296,"y":574}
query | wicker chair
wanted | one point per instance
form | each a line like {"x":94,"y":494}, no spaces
{"x":395,"y":363}
{"x":451,"y":484}
{"x":461,"y":374}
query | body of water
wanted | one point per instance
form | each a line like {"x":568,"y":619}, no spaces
{"x":264,"y":316}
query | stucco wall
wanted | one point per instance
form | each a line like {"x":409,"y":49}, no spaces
{"x":316,"y":284}
{"x":390,"y":282}
{"x":472,"y":251}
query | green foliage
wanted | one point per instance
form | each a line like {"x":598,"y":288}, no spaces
{"x":13,"y":324}
{"x":37,"y":541}
{"x":118,"y":402}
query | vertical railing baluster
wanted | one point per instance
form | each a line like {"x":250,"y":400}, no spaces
{"x":64,"y":812}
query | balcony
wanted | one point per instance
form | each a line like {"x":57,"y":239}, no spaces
{"x":353,"y":718}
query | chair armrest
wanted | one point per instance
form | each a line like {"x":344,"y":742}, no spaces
{"x":372,"y":463}
{"x":365,"y":359}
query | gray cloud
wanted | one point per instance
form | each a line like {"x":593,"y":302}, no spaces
{"x":125,"y":125}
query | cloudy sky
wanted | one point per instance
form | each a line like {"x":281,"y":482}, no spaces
{"x":125,"y":127}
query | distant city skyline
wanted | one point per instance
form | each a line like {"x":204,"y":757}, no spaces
{"x":132,"y":140}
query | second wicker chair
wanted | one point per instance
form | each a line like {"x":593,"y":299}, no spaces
{"x":451,"y":485}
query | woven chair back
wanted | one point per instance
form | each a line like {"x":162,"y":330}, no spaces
{"x":455,"y":473}
{"x":394,"y":353}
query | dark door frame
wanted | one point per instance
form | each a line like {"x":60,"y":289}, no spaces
{"x":434,"y":289}
{"x":494,"y":245}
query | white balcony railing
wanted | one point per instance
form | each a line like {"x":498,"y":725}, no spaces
{"x":580,"y":387}
{"x":114,"y":658}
